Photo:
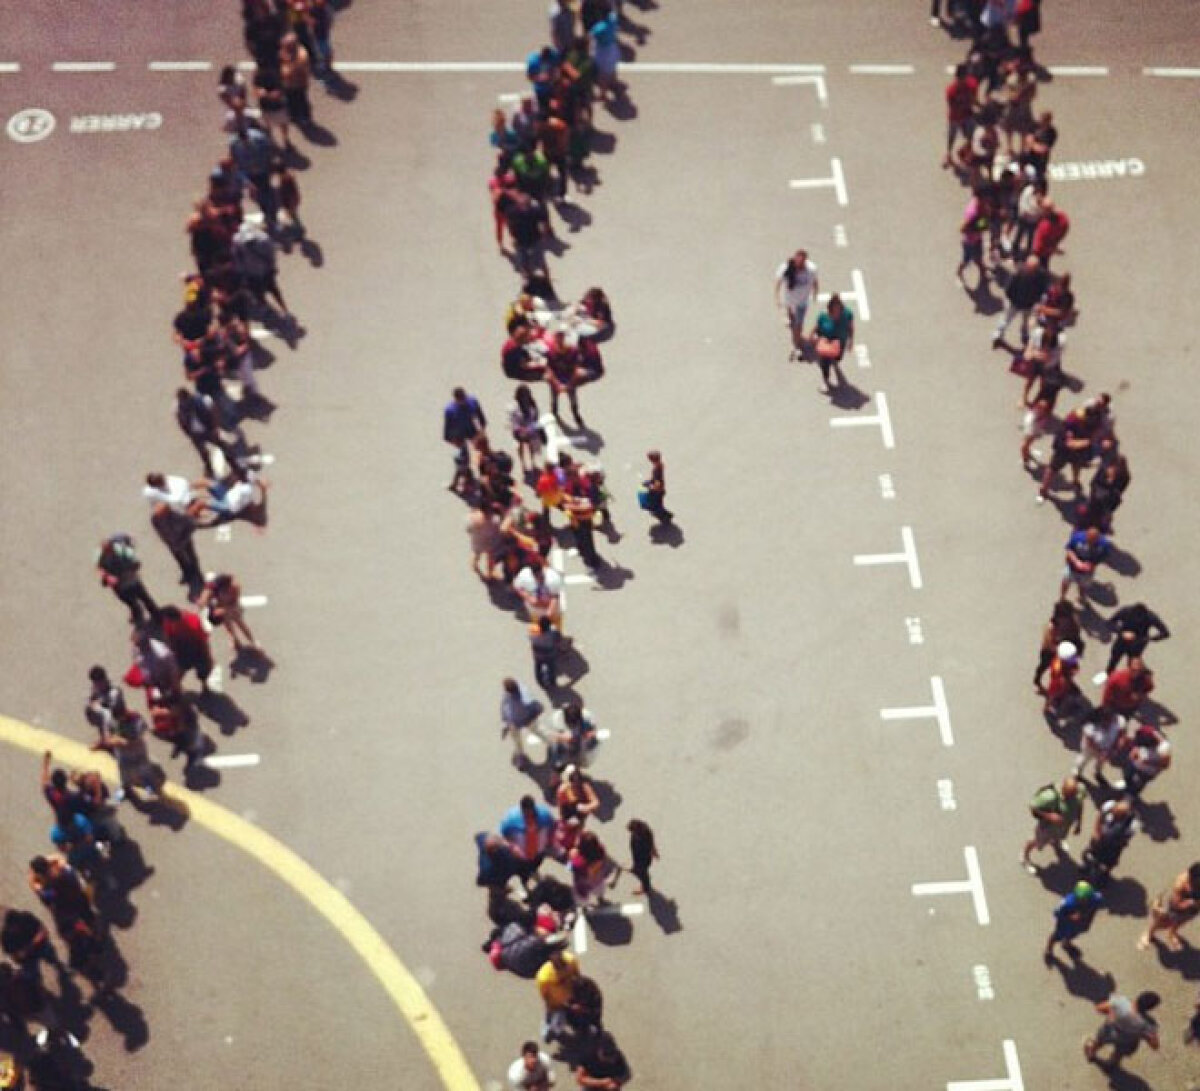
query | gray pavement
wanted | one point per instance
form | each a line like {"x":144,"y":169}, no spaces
{"x":741,"y":674}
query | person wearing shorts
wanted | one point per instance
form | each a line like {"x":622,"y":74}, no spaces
{"x":832,"y":335}
{"x":795,"y":288}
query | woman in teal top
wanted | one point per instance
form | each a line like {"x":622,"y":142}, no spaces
{"x":833,"y":334}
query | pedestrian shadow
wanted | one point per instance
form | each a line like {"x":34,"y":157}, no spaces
{"x":847,"y":396}
{"x":126,"y":870}
{"x":1121,"y":1079}
{"x":668,"y":534}
{"x":295,"y":159}
{"x":1185,"y":962}
{"x":576,"y":217}
{"x":318,"y":134}
{"x":222,"y":709}
{"x":125,"y":1017}
{"x":59,"y":1068}
{"x":1103,"y":593}
{"x":502,"y":596}
{"x":311,"y":249}
{"x":1059,"y":877}
{"x":1158,"y":822}
{"x":1125,"y":898}
{"x":572,"y":664}
{"x":164,"y":811}
{"x":1157,"y":714}
{"x":665,"y":912}
{"x":610,"y":926}
{"x":1083,"y":980}
{"x":1123,"y":563}
{"x":612,"y":577}
{"x":622,"y":107}
{"x":256,"y":407}
{"x":983,"y":300}
{"x":609,"y":799}
{"x":341,"y":88}
{"x":585,"y":177}
{"x":251,"y":663}
{"x":587,"y":438}
{"x":603,"y":143}
{"x":1094,"y":623}
{"x":199,"y":777}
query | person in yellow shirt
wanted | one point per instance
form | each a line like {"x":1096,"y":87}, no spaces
{"x":555,"y":982}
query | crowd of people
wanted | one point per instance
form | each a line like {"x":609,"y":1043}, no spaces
{"x":81,"y":880}
{"x":999,"y":143}
{"x":545,"y":867}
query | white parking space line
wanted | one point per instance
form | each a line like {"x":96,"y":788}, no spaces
{"x":817,"y":83}
{"x":667,"y":68}
{"x":907,"y":557}
{"x":232,"y":761}
{"x":1011,"y":1082}
{"x":9,"y":66}
{"x":83,"y":66}
{"x":579,"y":935}
{"x":1078,"y":70}
{"x":881,"y":418}
{"x":860,"y":294}
{"x":252,"y":601}
{"x":1173,"y":73}
{"x":818,"y":132}
{"x":836,"y":179}
{"x":972,"y":884}
{"x":939,"y":711}
{"x":882,"y":69}
{"x":180,"y":66}
{"x":915,"y":629}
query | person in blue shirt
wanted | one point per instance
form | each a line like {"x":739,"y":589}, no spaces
{"x":606,"y":52}
{"x":1072,"y":917}
{"x":1086,"y":549}
{"x":528,"y":827}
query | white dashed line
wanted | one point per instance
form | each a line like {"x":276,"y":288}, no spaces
{"x":983,"y":982}
{"x":579,"y":935}
{"x":860,"y":292}
{"x":818,"y":133}
{"x":251,"y":601}
{"x":9,"y":66}
{"x":1173,"y":73}
{"x":1078,"y":70}
{"x":180,"y":66}
{"x":232,"y":761}
{"x":83,"y":66}
{"x":946,"y":798}
{"x":839,"y":235}
{"x":973,"y":885}
{"x":836,"y":179}
{"x":887,"y":488}
{"x":882,"y":69}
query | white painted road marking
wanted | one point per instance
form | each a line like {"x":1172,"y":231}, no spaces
{"x":9,"y":66}
{"x":839,"y":235}
{"x":939,"y":711}
{"x":887,"y":488}
{"x":916,"y":632}
{"x":30,"y":125}
{"x":1096,"y":169}
{"x":83,"y":66}
{"x":860,"y":294}
{"x":652,"y":68}
{"x":818,"y":133}
{"x":818,"y":83}
{"x":882,"y":69}
{"x":180,"y":66}
{"x":251,"y":601}
{"x":1078,"y":70}
{"x":908,"y":557}
{"x":1011,"y":1082}
{"x":946,"y":795}
{"x":579,"y":935}
{"x":983,"y":982}
{"x":973,"y":885}
{"x":862,"y":356}
{"x":881,"y":418}
{"x":232,"y":761}
{"x":116,"y":123}
{"x":836,"y":179}
{"x":1173,"y":73}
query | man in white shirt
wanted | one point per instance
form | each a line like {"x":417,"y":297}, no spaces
{"x":795,"y":287}
{"x":531,"y":1071}
{"x":540,"y":588}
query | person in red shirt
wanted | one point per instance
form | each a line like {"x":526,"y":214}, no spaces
{"x":184,"y":634}
{"x":1125,"y":690}
{"x":1050,"y":232}
{"x":962,"y":95}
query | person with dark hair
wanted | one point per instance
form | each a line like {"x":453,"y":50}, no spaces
{"x":520,"y":711}
{"x":1062,"y":626}
{"x":604,"y":1067}
{"x":796,"y":286}
{"x":1125,"y":1027}
{"x":1072,"y":917}
{"x":962,"y":97}
{"x":531,"y":1071}
{"x":528,"y":827}
{"x":545,"y":642}
{"x":106,"y":701}
{"x":643,"y":852}
{"x":1113,"y":830}
{"x":1133,"y":627}
{"x":1059,"y":812}
{"x":654,"y":489}
{"x":120,"y":569}
{"x":185,"y":635}
{"x":831,"y":337}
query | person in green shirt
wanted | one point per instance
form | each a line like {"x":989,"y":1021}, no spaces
{"x":1058,"y":811}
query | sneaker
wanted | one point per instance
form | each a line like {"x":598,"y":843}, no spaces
{"x":934,"y":21}
{"x":43,"y":1036}
{"x":1089,"y":1047}
{"x":1028,"y":865}
{"x":72,"y":1041}
{"x":1099,"y":678}
{"x":118,"y":795}
{"x":1041,"y":499}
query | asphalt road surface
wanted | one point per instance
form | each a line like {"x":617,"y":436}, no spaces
{"x":742,"y":666}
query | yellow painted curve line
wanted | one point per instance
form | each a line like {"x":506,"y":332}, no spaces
{"x":404,"y":989}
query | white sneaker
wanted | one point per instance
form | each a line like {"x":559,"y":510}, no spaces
{"x":72,"y":1040}
{"x":118,"y":795}
{"x":1099,"y":678}
{"x":43,"y":1036}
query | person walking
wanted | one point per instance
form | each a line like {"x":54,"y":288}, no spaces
{"x":175,"y":530}
{"x":1086,"y":550}
{"x":796,"y":286}
{"x":1073,"y":916}
{"x":185,"y":635}
{"x":295,"y":72}
{"x":643,"y":852}
{"x":1050,"y":232}
{"x":1126,"y":1026}
{"x":197,"y":419}
{"x":222,"y":599}
{"x":1059,"y":812}
{"x":520,"y":711}
{"x":654,"y":489}
{"x":127,"y":744}
{"x":545,"y":643}
{"x":1173,"y":908}
{"x":120,"y":569}
{"x":1103,"y":735}
{"x":254,"y":153}
{"x":1113,"y":830}
{"x":831,"y":337}
{"x":962,"y":96}
{"x":531,"y":1071}
{"x":528,"y":827}
{"x":540,"y":587}
{"x":1133,"y":627}
{"x":463,"y":419}
{"x":1026,"y":286}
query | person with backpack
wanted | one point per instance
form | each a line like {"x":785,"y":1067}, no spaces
{"x":120,"y":569}
{"x":1114,"y":829}
{"x":1059,"y":812}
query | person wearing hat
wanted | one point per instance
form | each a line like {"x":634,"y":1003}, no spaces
{"x":1072,"y":917}
{"x":1061,"y":689}
{"x":1058,"y":811}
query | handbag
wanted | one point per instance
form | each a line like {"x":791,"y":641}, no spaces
{"x":643,"y":499}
